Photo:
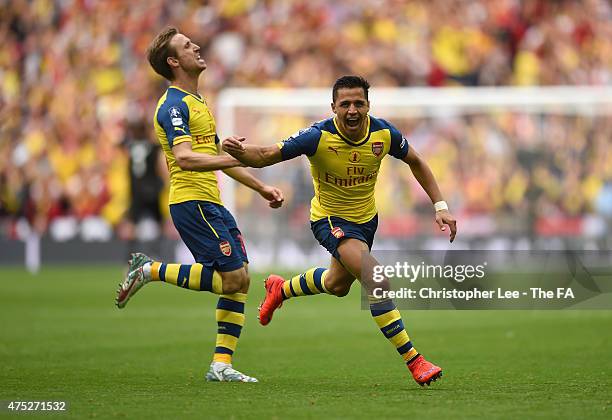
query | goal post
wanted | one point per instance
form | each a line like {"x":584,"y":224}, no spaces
{"x":486,"y":145}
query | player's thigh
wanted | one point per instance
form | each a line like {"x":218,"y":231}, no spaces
{"x":201,"y":226}
{"x":236,"y":234}
{"x":336,"y":234}
{"x":356,"y":258}
{"x":237,"y":277}
{"x":351,"y":252}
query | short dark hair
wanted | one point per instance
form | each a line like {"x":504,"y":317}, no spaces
{"x":349,"y":82}
{"x":159,"y":51}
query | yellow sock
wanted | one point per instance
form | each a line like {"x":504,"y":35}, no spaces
{"x":311,"y":282}
{"x":389,"y":320}
{"x":230,"y":319}
{"x":189,"y":276}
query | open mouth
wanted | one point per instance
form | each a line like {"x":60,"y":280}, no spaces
{"x":353,"y":122}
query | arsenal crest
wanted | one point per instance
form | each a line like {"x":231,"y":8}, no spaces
{"x":377,"y":148}
{"x":337,"y":232}
{"x":226,"y":248}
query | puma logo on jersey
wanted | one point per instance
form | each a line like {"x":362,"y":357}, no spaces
{"x":333,"y":149}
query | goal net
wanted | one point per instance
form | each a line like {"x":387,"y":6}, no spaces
{"x":524,"y":168}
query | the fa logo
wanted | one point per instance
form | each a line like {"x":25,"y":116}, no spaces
{"x":377,"y":148}
{"x":175,"y":116}
{"x":354,"y":156}
{"x":565,"y":293}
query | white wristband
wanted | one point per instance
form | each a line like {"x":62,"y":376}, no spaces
{"x":441,"y":205}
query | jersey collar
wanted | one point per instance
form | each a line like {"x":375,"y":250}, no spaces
{"x":363,"y":140}
{"x":196,"y":96}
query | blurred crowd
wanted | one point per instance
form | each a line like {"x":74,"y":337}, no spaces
{"x":533,"y":174}
{"x":73,"y":80}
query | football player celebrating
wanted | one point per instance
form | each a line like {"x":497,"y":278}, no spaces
{"x":187,"y":133}
{"x":345,"y":153}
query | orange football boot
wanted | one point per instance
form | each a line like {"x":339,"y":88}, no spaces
{"x":273,"y":300}
{"x":424,"y":372}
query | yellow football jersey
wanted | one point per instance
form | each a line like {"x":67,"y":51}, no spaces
{"x":343,"y":172}
{"x":182,"y":116}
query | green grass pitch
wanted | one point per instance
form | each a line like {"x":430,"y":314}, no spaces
{"x":322,"y":357}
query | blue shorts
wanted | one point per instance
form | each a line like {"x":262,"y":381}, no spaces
{"x":210,"y":232}
{"x":332,"y":230}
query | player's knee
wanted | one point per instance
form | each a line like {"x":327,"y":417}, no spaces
{"x":235,"y":282}
{"x":231,"y":287}
{"x":339,"y":290}
{"x":246,"y":282}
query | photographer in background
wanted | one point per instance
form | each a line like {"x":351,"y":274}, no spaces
{"x":147,"y":170}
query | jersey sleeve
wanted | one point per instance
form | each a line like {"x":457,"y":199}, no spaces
{"x":399,"y":144}
{"x":175,"y":122}
{"x":304,"y":142}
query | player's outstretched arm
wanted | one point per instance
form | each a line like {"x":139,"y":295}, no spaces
{"x":426,"y":179}
{"x":188,"y":160}
{"x":272,"y":194}
{"x":250,"y":154}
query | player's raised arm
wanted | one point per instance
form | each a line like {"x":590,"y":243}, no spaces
{"x":426,"y":179}
{"x":251,"y":154}
{"x":188,"y":160}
